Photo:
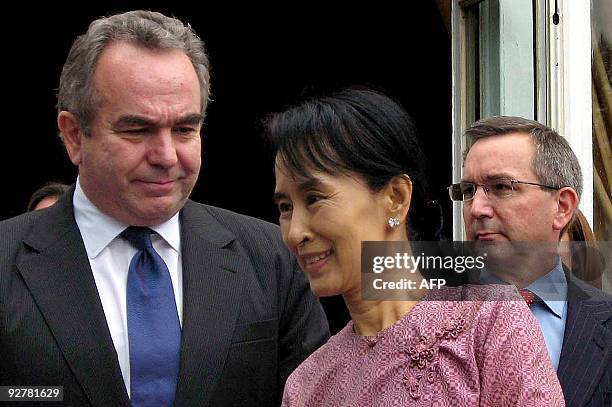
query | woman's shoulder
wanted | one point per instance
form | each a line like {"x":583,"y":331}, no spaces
{"x":482,"y":307}
{"x":483,"y":292}
{"x":475,"y":292}
{"x":498,"y":315}
{"x":484,"y":298}
{"x":501,"y":301}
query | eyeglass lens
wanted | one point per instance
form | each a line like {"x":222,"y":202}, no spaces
{"x":465,"y":191}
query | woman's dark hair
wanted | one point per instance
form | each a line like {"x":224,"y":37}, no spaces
{"x":51,"y":189}
{"x":357,"y":131}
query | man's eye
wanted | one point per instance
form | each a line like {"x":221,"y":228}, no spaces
{"x":136,"y":131}
{"x":501,"y":186}
{"x":467,"y":189}
{"x":185,"y":130}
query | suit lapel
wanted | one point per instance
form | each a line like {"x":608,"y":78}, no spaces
{"x":586,"y":345}
{"x":212,"y":286}
{"x":55,"y":267}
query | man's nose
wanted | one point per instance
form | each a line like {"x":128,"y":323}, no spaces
{"x":480,"y":206}
{"x":162,"y":149}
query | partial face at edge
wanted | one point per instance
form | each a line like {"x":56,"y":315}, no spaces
{"x":46,"y":202}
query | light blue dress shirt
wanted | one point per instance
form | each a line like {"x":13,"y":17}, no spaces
{"x":551,"y":308}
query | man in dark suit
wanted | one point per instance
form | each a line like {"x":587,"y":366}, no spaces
{"x":125,"y":291}
{"x":520,"y":189}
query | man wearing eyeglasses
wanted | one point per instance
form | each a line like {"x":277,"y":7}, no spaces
{"x":520,"y":189}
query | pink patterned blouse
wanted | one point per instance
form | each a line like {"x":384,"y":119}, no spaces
{"x":484,"y":351}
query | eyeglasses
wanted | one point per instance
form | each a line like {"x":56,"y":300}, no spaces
{"x":496,"y":188}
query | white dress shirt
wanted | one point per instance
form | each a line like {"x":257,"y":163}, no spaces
{"x":110,"y":255}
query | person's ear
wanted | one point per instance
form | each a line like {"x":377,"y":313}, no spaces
{"x":398,"y":195}
{"x":567,"y":204}
{"x":72,"y":135}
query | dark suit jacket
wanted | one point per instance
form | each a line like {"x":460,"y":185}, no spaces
{"x":585,"y":366}
{"x":248,"y":316}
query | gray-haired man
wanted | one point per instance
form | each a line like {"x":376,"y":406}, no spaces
{"x":126,"y":292}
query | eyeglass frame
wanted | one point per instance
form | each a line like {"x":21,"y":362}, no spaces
{"x":486,"y":190}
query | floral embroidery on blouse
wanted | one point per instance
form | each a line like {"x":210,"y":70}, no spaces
{"x":423,"y":357}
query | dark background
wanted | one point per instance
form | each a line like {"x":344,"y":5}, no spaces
{"x":262,"y":59}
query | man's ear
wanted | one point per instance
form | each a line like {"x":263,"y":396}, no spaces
{"x":72,"y":134}
{"x":566,"y":206}
{"x":398,"y":195}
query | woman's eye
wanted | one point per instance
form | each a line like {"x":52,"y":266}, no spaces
{"x":284,"y":207}
{"x":311,"y":199}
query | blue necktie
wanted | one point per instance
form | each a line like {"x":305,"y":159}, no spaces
{"x":154,"y":330}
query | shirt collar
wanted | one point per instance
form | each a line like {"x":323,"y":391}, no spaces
{"x":99,"y":229}
{"x":552,"y":289}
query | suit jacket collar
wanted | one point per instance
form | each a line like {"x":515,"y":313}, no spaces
{"x":55,"y":267}
{"x":213,"y":271}
{"x":586,"y":343}
{"x":197,"y":219}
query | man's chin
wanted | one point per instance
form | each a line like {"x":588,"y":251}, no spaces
{"x":495,"y":250}
{"x":153,"y":211}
